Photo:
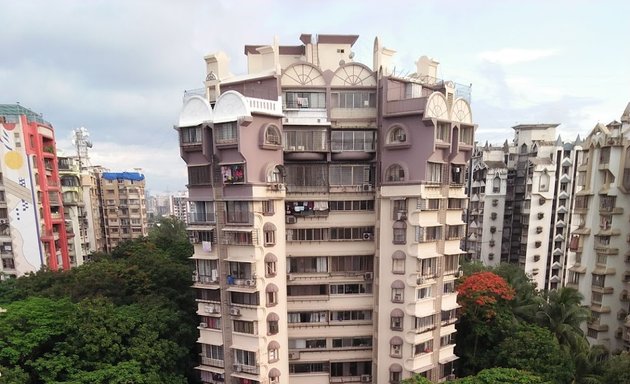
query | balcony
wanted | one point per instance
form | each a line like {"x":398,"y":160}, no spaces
{"x":249,"y":369}
{"x":212,"y":362}
{"x":201,"y":218}
{"x":405,"y":106}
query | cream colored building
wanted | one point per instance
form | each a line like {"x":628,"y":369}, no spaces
{"x":599,"y":257}
{"x":326,"y":201}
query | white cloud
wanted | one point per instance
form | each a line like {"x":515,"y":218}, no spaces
{"x":514,"y":55}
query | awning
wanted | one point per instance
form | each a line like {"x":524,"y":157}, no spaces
{"x":238,"y":229}
{"x":448,"y":359}
{"x":399,"y":255}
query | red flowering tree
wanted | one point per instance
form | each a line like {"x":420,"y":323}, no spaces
{"x":485,"y":315}
{"x":481,"y":292}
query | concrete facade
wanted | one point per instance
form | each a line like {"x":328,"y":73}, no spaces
{"x":328,"y":198}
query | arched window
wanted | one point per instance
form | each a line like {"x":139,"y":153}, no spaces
{"x":269,"y":231}
{"x":524,"y":148}
{"x":275,"y":174}
{"x":395,"y":173}
{"x":271,"y":292}
{"x":395,"y":347}
{"x":397,"y":135}
{"x":273,"y":350}
{"x":271,"y":261}
{"x":496,"y":184}
{"x":396,"y":319}
{"x":544,"y":181}
{"x":398,"y":291}
{"x":272,"y":323}
{"x":274,"y":376}
{"x":398,"y":262}
{"x":400,"y":232}
{"x":395,"y":373}
{"x":272,"y":135}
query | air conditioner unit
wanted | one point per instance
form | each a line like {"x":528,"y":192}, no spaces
{"x":238,"y":367}
{"x":294,"y":355}
{"x":291,"y":219}
{"x":367,"y":236}
{"x":203,"y":325}
{"x":402,"y":215}
{"x":366,"y":378}
{"x":290,"y":277}
{"x":250,"y":283}
{"x":420,"y":280}
{"x":367,"y":187}
{"x":368,"y":275}
{"x":209,"y":309}
{"x":235,"y":311}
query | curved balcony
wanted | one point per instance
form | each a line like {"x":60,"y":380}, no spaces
{"x":421,"y":307}
{"x":419,"y":362}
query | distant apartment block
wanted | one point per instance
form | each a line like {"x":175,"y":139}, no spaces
{"x":179,"y":206}
{"x":599,"y":258}
{"x":326,"y":201}
{"x":123,"y":207}
{"x":32,"y":221}
{"x":520,"y":200}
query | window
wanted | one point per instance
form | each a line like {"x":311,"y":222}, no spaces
{"x":233,"y":174}
{"x":451,"y":263}
{"x":273,"y":351}
{"x":428,"y":234}
{"x":352,"y":264}
{"x":443,"y":132}
{"x":271,"y":293}
{"x":305,"y":140}
{"x":244,"y":327}
{"x":226,"y":133}
{"x":269,"y":233}
{"x":245,"y":357}
{"x":352,"y":205}
{"x":396,"y":320}
{"x":599,"y":281}
{"x":423,"y":348}
{"x":312,"y":175}
{"x":313,"y":100}
{"x":626,"y":170}
{"x":199,"y":175}
{"x":423,"y":293}
{"x":350,"y":174}
{"x":191,"y":135}
{"x":353,"y":141}
{"x":397,"y":135}
{"x":395,"y":347}
{"x":241,"y":298}
{"x":272,"y":324}
{"x":466,"y":135}
{"x":447,"y":340}
{"x":307,"y":317}
{"x":398,"y":262}
{"x":398,"y":292}
{"x":307,"y":343}
{"x":457,"y":174}
{"x":351,"y":315}
{"x":395,"y":173}
{"x":434,"y":172}
{"x":214,"y":352}
{"x":350,"y":289}
{"x":544,"y":181}
{"x":272,"y":135}
{"x":448,"y":287}
{"x":400,"y":232}
{"x":237,"y":212}
{"x":268,"y":207}
{"x":308,"y":264}
{"x":353,"y":99}
{"x":270,"y":265}
{"x":352,"y":342}
{"x":604,"y":155}
{"x":496,"y":184}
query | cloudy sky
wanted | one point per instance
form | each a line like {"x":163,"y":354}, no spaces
{"x":119,"y":67}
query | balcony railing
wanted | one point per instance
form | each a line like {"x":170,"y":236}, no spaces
{"x":201,"y":217}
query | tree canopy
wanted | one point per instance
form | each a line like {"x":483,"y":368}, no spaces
{"x":124,"y":317}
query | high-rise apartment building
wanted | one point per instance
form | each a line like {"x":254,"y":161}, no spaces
{"x":179,"y":206}
{"x":599,"y":257}
{"x":32,"y":222}
{"x":123,"y":208}
{"x":326,"y":202}
{"x":520,"y":197}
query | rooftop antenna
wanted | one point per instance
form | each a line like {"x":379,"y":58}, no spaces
{"x":81,"y":140}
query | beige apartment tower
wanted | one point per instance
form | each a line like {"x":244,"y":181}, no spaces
{"x":326,"y":200}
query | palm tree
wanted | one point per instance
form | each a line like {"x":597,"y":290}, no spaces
{"x":563,"y":315}
{"x":589,"y":366}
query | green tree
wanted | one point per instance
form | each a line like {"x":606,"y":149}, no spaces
{"x":617,"y":369}
{"x":534,"y":349}
{"x":527,"y":299}
{"x":563,"y":314}
{"x":502,"y":376}
{"x":169,"y":234}
{"x":416,"y":379}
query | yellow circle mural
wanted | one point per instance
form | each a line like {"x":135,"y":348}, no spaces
{"x":13,"y":160}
